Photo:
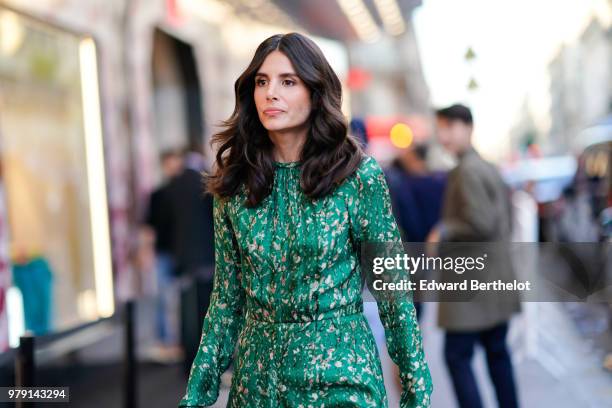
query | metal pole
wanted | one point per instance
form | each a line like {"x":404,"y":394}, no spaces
{"x":130,"y":372}
{"x":24,"y":366}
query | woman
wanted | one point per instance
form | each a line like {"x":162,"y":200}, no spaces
{"x":294,"y":199}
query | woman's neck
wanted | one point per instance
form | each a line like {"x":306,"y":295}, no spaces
{"x":288,"y":145}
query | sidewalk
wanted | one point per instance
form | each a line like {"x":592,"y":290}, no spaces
{"x":562,"y":370}
{"x":557,"y":369}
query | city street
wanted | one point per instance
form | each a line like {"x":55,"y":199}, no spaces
{"x":560,"y":370}
{"x":166,"y":160}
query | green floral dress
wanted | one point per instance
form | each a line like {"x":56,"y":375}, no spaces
{"x":288,"y":291}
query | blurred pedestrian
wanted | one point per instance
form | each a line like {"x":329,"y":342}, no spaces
{"x":416,"y":195}
{"x":159,"y":219}
{"x":476,"y":209}
{"x":416,"y":192}
{"x":193,"y":246}
{"x":359,"y":131}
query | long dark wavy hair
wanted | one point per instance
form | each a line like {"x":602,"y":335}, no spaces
{"x":329,"y":154}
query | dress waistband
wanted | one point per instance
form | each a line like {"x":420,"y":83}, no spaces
{"x":260,"y":317}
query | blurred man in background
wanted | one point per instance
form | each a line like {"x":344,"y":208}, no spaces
{"x":192,"y":212}
{"x":159,"y":219}
{"x":416,"y":195}
{"x":476,"y":209}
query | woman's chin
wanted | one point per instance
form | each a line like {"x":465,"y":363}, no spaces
{"x":272,"y":127}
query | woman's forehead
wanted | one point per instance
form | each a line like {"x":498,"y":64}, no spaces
{"x":276,"y":63}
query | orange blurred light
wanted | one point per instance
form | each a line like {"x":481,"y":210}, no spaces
{"x":401,"y":135}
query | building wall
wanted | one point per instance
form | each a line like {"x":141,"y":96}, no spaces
{"x":398,"y":85}
{"x":124,"y":32}
{"x":580,"y":90}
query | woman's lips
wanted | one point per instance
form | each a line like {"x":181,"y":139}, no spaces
{"x":273,"y":112}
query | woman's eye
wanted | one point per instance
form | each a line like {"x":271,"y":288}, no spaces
{"x":260,"y":82}
{"x":288,"y":82}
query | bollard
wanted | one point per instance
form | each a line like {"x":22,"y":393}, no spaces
{"x":130,"y":373}
{"x":24,"y":366}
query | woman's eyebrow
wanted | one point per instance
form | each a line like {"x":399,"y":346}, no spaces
{"x":285,"y":75}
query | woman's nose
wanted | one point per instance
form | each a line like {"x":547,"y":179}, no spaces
{"x":271,"y":92}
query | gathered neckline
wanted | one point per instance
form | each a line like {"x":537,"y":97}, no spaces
{"x":287,"y":165}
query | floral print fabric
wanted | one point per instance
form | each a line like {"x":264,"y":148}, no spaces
{"x":288,"y":293}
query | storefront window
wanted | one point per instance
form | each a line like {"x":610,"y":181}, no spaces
{"x":55,"y":220}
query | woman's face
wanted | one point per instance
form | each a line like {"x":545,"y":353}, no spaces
{"x":282,"y":99}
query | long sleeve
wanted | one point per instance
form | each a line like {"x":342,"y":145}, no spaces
{"x":224,"y":318}
{"x":375,"y":224}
